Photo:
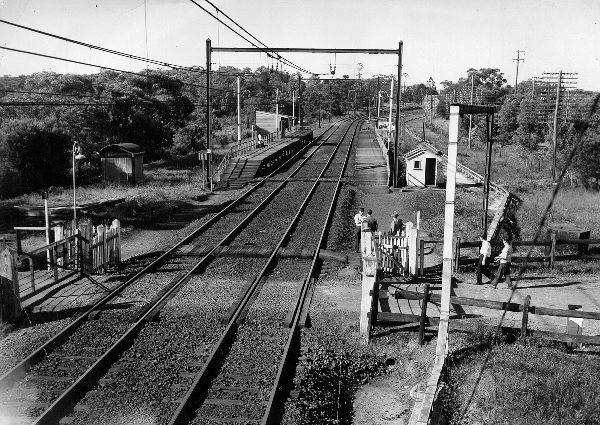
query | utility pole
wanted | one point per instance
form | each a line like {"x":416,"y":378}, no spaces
{"x":276,"y":112}
{"x":319,"y":111}
{"x":518,"y":59}
{"x":239,"y":115}
{"x":555,"y":128}
{"x":299,"y":99}
{"x":378,"y":94}
{"x":471,"y":115}
{"x":294,"y":106}
{"x":390,"y":114}
{"x":208,"y":114}
{"x":488,"y":167}
{"x":398,"y":99}
{"x":378,"y":106}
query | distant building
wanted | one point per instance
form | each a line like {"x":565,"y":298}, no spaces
{"x":427,"y":166}
{"x":122,"y":164}
{"x":265,"y":121}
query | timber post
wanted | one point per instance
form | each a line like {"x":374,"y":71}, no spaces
{"x":369,"y":281}
{"x":525,"y":319}
{"x":423,"y":319}
{"x":421,"y":257}
{"x":552,"y":249}
{"x":10,"y":301}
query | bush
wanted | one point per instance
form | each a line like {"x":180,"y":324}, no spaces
{"x":37,"y":152}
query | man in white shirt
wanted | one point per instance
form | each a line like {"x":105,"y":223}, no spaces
{"x":485,"y":252}
{"x":504,"y":268}
{"x":359,"y":217}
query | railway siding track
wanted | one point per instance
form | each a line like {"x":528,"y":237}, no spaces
{"x":64,"y":362}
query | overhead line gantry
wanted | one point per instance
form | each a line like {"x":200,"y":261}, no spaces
{"x":398,"y":51}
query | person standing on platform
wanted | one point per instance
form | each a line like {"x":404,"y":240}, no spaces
{"x":504,"y":268}
{"x":359,"y":217}
{"x":485,"y":252}
{"x":396,"y":226}
{"x":371,"y":222}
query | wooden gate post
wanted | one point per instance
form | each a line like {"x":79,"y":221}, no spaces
{"x":10,"y":300}
{"x":369,"y":279}
{"x":525,"y":319}
{"x":423,"y":315}
{"x":85,"y":248}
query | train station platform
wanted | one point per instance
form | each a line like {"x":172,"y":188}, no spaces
{"x":259,"y":162}
{"x":370,"y":166}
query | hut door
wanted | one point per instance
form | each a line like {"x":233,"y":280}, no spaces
{"x":430,"y":165}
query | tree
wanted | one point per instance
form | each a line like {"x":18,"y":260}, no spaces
{"x":507,"y":119}
{"x":38,"y":152}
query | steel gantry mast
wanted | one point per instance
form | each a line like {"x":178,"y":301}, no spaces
{"x":210,"y":49}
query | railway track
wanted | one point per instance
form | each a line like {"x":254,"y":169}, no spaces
{"x":45,"y":387}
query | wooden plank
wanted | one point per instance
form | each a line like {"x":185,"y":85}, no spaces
{"x":397,"y":317}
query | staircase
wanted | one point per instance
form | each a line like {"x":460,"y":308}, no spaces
{"x":239,"y":172}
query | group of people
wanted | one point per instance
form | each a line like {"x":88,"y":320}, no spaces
{"x":368,"y":222}
{"x":504,"y":259}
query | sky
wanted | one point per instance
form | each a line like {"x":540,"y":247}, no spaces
{"x":441,"y":38}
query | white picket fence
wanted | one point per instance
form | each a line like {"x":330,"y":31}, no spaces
{"x":396,"y":254}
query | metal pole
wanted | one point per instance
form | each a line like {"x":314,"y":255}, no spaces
{"x":488,"y":166}
{"x":555,"y":129}
{"x":319,"y":112}
{"x":294,"y":106}
{"x":239,"y":114}
{"x":276,"y":112}
{"x":299,"y":99}
{"x":378,"y":97}
{"x":208,"y":113}
{"x":471,"y":115}
{"x":74,"y":194}
{"x":398,"y":99}
{"x":390,"y":114}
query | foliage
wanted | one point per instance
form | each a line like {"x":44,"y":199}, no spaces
{"x":37,"y":151}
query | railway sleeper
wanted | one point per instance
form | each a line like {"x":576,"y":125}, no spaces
{"x":256,"y":252}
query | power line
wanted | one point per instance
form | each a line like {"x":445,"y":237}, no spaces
{"x":251,"y":35}
{"x":100,"y":66}
{"x":268,"y":51}
{"x":581,"y":131}
{"x":104,"y":49}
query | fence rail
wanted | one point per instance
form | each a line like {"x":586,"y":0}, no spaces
{"x":551,"y":258}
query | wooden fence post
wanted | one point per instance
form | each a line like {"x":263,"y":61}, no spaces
{"x":421,"y":257}
{"x":525,"y":319}
{"x":423,"y":314}
{"x":369,"y":279}
{"x":10,"y":299}
{"x":552,"y":249}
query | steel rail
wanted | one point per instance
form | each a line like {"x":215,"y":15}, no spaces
{"x":211,"y":366}
{"x":69,"y":397}
{"x":272,"y":415}
{"x":8,"y":379}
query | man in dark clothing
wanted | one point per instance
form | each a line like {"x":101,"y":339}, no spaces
{"x":371,"y":222}
{"x":396,"y":226}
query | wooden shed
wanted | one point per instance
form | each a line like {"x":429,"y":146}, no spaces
{"x":122,"y":163}
{"x":265,"y":121}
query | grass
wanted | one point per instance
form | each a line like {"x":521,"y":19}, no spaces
{"x":573,"y":206}
{"x":528,"y":382}
{"x":165,"y":189}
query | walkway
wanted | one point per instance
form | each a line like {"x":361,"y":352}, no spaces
{"x":371,"y":173}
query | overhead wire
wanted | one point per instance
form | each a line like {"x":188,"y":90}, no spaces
{"x":266,"y":49}
{"x":101,"y":66}
{"x":106,"y":50}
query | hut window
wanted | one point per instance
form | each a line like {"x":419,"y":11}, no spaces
{"x":417,"y":165}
